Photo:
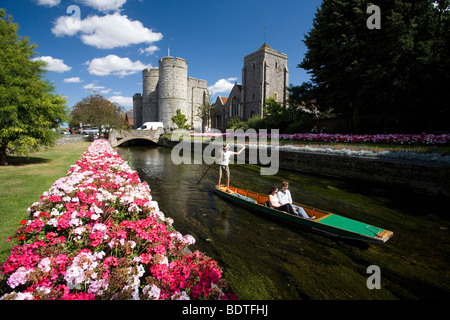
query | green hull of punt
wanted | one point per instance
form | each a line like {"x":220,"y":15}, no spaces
{"x":327,"y":222}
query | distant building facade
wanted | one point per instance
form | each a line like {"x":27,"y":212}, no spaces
{"x":265,"y":74}
{"x":166,"y":89}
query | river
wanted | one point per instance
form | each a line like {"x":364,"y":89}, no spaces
{"x":266,"y":259}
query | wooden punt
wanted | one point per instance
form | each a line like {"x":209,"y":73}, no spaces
{"x":326,"y":222}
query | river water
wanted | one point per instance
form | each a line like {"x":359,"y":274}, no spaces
{"x":266,"y":259}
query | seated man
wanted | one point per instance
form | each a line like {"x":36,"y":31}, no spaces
{"x":274,"y":203}
{"x":284,"y":195}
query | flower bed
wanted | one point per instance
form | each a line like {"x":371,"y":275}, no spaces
{"x":401,"y":139}
{"x":97,"y":234}
{"x":346,"y":144}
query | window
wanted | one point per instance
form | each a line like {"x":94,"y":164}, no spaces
{"x":219,"y":122}
{"x":276,"y":65}
{"x":254,"y":65}
{"x":234,"y":107}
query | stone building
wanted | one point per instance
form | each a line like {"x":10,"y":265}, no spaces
{"x":166,"y":89}
{"x":265,"y":74}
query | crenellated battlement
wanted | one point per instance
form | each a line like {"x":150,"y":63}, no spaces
{"x":166,"y":89}
{"x":173,"y":62}
{"x":194,"y":82}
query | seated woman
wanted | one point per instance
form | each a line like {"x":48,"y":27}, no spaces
{"x":275,"y":203}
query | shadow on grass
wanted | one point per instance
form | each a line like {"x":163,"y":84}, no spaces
{"x":24,"y":160}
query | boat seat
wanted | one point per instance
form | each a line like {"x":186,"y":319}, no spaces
{"x":244,"y":197}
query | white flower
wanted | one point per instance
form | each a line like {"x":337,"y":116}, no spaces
{"x":24,"y":296}
{"x":54,"y":212}
{"x":45,"y":264}
{"x":20,"y":276}
{"x":53,"y":222}
{"x":100,"y":227}
{"x":152,"y":291}
{"x":188,"y":239}
{"x":180,"y":296}
{"x":75,"y":222}
{"x":79,"y":230}
{"x":169,"y":221}
{"x":74,"y":275}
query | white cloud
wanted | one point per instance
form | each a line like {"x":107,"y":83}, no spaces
{"x":122,"y":101}
{"x":106,"y":91}
{"x":66,"y":26}
{"x":149,"y":51}
{"x":114,"y":65}
{"x":93,"y":87}
{"x":96,"y":88}
{"x":56,"y":65}
{"x":73,"y":80}
{"x":104,"y":5}
{"x":48,"y":3}
{"x":223,"y":85}
{"x":106,"y":32}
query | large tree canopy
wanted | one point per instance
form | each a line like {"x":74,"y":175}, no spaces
{"x":29,"y":106}
{"x":98,"y":112}
{"x":396,"y":76}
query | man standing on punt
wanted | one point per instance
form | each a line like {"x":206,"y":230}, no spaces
{"x":225,"y":155}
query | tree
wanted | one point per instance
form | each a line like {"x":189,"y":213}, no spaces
{"x":98,"y":112}
{"x":180,"y":120}
{"x":204,"y":112}
{"x":276,"y":115}
{"x":303,"y":101}
{"x":396,"y":74}
{"x":29,"y":106}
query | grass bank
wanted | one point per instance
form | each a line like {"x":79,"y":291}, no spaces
{"x":24,"y":180}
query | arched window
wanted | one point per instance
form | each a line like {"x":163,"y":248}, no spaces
{"x":234,"y":107}
{"x":219,"y":122}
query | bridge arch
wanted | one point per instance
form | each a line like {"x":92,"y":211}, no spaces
{"x":117,"y":138}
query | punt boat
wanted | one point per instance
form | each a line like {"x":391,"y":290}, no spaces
{"x":326,"y":222}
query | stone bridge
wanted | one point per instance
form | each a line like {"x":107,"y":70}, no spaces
{"x":116,"y":138}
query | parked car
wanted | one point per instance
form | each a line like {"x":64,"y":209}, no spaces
{"x":90,"y":131}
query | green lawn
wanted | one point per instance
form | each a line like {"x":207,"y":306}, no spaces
{"x":24,"y":180}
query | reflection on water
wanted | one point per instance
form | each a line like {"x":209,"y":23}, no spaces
{"x":265,"y":259}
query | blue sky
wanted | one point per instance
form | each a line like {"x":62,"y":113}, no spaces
{"x":106,"y":48}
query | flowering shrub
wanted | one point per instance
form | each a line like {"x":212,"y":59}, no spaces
{"x":97,"y":234}
{"x":402,"y":139}
{"x":345,"y":148}
{"x":409,"y":139}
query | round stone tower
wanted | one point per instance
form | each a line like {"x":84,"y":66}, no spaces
{"x":137,"y":110}
{"x":172,"y":89}
{"x":150,"y":95}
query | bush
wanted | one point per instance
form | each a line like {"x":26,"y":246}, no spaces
{"x":236,"y":123}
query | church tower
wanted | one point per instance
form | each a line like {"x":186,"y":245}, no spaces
{"x":265,"y":74}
